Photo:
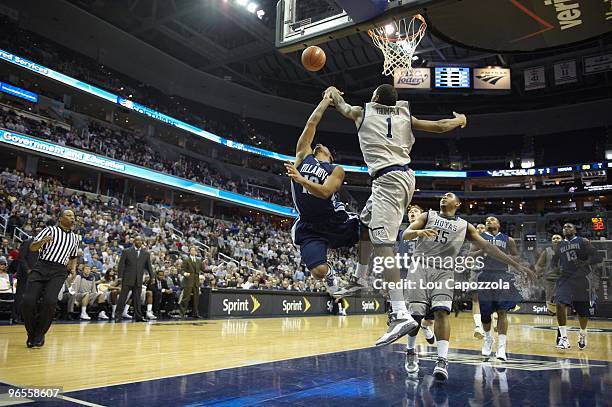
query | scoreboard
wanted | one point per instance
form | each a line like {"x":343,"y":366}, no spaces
{"x":450,"y":77}
{"x":599,"y":224}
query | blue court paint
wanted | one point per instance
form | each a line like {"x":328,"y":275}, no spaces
{"x":375,"y":377}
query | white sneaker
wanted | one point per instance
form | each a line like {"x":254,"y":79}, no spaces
{"x":151,"y":315}
{"x":401,"y":324}
{"x":440,"y":372}
{"x":430,"y":337}
{"x":582,"y":342}
{"x":563,"y":343}
{"x":412,"y":361}
{"x":126,"y":315}
{"x":479,"y":332}
{"x":85,"y":316}
{"x":501,"y":353}
{"x":102,"y":315}
{"x":487,"y":345}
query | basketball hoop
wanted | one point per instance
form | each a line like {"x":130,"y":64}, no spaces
{"x":398,"y":41}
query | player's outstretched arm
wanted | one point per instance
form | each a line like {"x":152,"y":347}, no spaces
{"x":416,"y":229}
{"x":331,"y":185}
{"x":440,"y":126}
{"x":493,"y":251}
{"x":304,"y":144}
{"x":350,"y":112}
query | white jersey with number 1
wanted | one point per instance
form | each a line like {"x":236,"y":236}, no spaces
{"x":385,"y":135}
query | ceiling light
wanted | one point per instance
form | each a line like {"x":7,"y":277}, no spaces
{"x":390,"y":29}
{"x":242,"y":2}
{"x":252,"y":7}
{"x":260,"y":14}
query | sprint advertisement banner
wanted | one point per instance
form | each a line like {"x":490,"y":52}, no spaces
{"x":247,"y":303}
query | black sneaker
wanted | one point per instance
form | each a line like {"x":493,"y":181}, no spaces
{"x":400,"y":326}
{"x":441,"y":370}
{"x":39,"y":343}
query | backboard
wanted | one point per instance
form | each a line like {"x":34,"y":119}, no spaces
{"x":301,"y":23}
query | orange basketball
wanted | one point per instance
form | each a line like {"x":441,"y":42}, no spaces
{"x":313,"y":58}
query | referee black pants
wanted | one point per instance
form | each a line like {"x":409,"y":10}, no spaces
{"x":40,"y":299}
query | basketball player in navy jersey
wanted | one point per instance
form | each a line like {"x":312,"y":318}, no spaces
{"x":574,"y":255}
{"x":498,"y":300}
{"x":323,"y":222}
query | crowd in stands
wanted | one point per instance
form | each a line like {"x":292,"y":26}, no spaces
{"x":132,"y":147}
{"x":240,"y":253}
{"x":50,"y":54}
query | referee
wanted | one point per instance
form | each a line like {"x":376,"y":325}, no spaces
{"x":58,"y":247}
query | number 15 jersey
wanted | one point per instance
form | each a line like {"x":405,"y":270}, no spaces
{"x":385,"y":135}
{"x":448,"y":242}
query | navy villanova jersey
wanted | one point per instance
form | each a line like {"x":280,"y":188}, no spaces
{"x":500,"y":240}
{"x":311,"y":208}
{"x":568,"y":252}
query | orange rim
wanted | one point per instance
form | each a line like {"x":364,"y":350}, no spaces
{"x":372,"y":33}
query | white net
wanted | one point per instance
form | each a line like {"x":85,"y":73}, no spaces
{"x":398,"y":41}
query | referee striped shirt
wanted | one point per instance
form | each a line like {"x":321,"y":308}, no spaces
{"x":64,"y":246}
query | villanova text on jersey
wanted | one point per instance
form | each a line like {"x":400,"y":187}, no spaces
{"x":569,"y":252}
{"x":500,"y":241}
{"x":311,"y":208}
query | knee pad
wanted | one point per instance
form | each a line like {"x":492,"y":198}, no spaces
{"x":485,"y":319}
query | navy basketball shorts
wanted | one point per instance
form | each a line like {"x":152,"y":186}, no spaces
{"x":314,"y":239}
{"x":574,"y":291}
{"x":498,"y":299}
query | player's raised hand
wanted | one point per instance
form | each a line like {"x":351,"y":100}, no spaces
{"x":47,"y":239}
{"x":293,"y":172}
{"x":529,"y":273}
{"x":462,"y":117}
{"x":427,"y":233}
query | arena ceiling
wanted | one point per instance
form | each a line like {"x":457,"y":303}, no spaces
{"x":224,"y":39}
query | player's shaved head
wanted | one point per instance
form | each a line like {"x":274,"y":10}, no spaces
{"x":385,"y":94}
{"x":492,"y":224}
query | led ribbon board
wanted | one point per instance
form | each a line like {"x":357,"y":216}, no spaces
{"x":18,"y":92}
{"x":119,"y":167}
{"x":128,"y":104}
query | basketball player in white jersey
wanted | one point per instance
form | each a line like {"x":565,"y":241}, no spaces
{"x":385,"y":129}
{"x":440,"y":238}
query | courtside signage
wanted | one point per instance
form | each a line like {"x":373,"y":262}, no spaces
{"x":418,"y":78}
{"x":494,"y":78}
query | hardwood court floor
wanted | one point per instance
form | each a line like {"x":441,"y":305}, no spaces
{"x":88,"y":355}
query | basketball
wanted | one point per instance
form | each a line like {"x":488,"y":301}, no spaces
{"x":313,"y":58}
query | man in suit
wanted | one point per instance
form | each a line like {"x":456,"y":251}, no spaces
{"x":163,"y":296}
{"x":192,"y":267}
{"x":24,"y":264}
{"x":131,"y":268}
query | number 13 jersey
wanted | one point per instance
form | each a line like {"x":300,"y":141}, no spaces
{"x":385,"y":135}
